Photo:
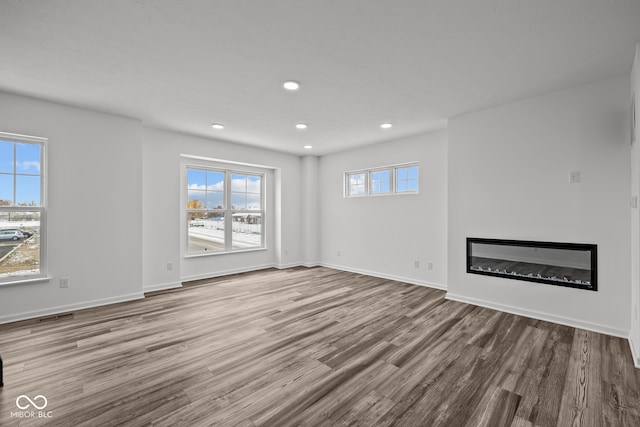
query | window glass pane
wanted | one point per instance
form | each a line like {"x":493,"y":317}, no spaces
{"x":205,"y":232}
{"x":238,"y":182}
{"x":6,"y":156}
{"x":246,"y":192}
{"x":407,"y":179}
{"x":215,"y":181}
{"x":6,"y":190}
{"x":27,"y":190}
{"x":215,"y":200}
{"x":238,"y":200}
{"x":28,"y":159}
{"x":19,"y":244}
{"x":254,"y":184}
{"x":196,"y":199}
{"x":246,"y":231}
{"x":356,"y":184}
{"x":254,"y":201}
{"x":380,"y":181}
{"x":196,"y":179}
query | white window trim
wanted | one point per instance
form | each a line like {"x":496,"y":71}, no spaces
{"x":393,"y":191}
{"x":347,"y":185}
{"x":43,"y":262}
{"x":227,"y":210}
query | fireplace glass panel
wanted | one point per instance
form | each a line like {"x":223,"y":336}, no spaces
{"x":563,"y":264}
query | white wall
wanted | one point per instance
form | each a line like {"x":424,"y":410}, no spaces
{"x":634,"y":336}
{"x":310,"y":214}
{"x":162,"y":152}
{"x":384,"y":235}
{"x":509,"y":178}
{"x":94,"y":217}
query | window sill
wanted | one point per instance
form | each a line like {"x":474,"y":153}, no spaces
{"x":237,"y":251}
{"x":39,"y":279}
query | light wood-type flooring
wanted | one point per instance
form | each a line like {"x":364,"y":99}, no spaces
{"x":313,"y":347}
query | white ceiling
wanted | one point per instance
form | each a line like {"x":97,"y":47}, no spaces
{"x":184,"y":64}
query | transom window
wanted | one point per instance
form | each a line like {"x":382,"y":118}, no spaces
{"x":357,"y":184}
{"x":407,"y":179}
{"x":225,"y":210}
{"x":398,"y":179}
{"x":22,"y":208}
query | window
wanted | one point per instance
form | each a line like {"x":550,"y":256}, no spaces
{"x":225,"y":210}
{"x":22,"y":208}
{"x":380,"y":181}
{"x":398,"y":179}
{"x":407,"y":179}
{"x":357,"y":184}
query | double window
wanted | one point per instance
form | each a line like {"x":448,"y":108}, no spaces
{"x":397,"y":179}
{"x":225,"y":210}
{"x":22,"y":208}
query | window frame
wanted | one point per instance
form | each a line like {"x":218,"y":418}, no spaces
{"x":393,"y":181}
{"x":227,"y":211}
{"x":348,"y":176}
{"x":43,"y":274}
{"x":397,"y":180}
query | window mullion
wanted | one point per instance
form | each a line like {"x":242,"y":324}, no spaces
{"x":228,"y":216}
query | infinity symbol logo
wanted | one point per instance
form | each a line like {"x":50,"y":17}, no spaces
{"x":22,"y":397}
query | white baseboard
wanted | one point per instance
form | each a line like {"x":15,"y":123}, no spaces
{"x":228,"y":272}
{"x":69,"y":308}
{"x":161,"y":287}
{"x":634,"y":353}
{"x":289,"y":265}
{"x":387,"y":276}
{"x":567,"y":321}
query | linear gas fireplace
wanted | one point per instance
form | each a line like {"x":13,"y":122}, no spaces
{"x":562,"y":264}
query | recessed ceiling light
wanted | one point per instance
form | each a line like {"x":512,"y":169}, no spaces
{"x":217,"y":126}
{"x":291,"y":85}
{"x":308,"y":147}
{"x":386,"y":125}
{"x":301,"y":126}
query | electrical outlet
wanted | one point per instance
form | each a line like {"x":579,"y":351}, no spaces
{"x":286,"y":251}
{"x":169,"y":266}
{"x":430,"y":266}
{"x":64,"y":282}
{"x":634,"y":202}
{"x":574,"y":177}
{"x":338,"y":252}
{"x":416,"y":264}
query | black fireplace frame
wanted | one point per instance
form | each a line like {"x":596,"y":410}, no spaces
{"x":591,"y":248}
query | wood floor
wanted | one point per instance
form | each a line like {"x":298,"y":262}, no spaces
{"x":314,"y":347}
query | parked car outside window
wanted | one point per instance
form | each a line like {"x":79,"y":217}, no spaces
{"x":11,"y":235}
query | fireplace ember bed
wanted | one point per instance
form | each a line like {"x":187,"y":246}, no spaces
{"x":562,"y":264}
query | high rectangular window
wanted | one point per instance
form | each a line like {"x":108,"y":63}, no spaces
{"x":380,"y":181}
{"x":22,"y":208}
{"x":356,"y":184}
{"x":225,"y":210}
{"x":397,"y":179}
{"x":407,"y":179}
